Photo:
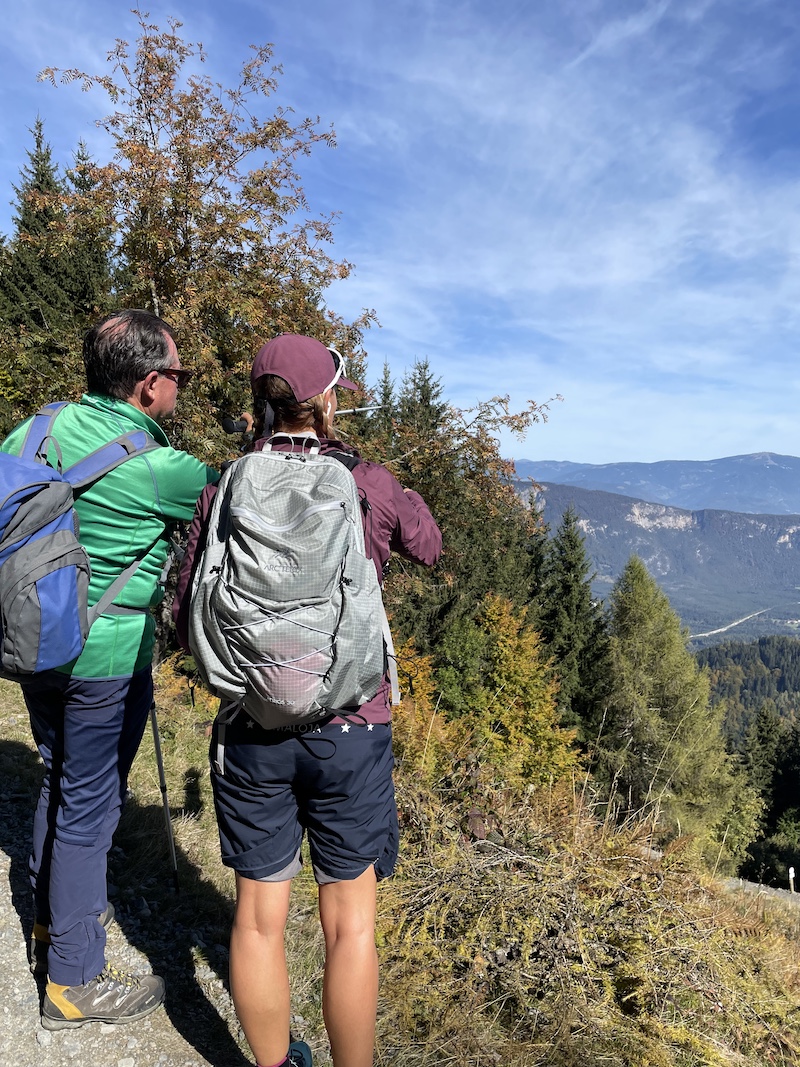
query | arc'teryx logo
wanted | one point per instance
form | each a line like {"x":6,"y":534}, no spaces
{"x":282,"y":561}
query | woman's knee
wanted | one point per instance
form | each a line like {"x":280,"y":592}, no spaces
{"x":347,"y":908}
{"x":261,"y":907}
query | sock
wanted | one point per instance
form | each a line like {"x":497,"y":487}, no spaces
{"x":284,"y":1063}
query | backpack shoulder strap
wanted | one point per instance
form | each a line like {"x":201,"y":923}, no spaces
{"x":116,"y":587}
{"x":108,"y":456}
{"x":40,"y":431}
{"x":99,"y":462}
{"x":347,"y":458}
{"x":89,"y":470}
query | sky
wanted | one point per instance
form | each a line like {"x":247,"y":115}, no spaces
{"x":591,"y":200}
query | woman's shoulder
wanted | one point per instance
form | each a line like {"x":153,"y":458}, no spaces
{"x":366,"y":471}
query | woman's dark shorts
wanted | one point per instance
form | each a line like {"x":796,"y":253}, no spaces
{"x":331,"y":781}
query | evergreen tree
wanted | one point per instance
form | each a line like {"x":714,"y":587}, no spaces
{"x":33,"y":296}
{"x":663,"y":753}
{"x":537,"y":550}
{"x":420,"y":404}
{"x":573,"y":627}
{"x":39,"y":331}
{"x":381,"y":424}
{"x":374,"y":434}
{"x":774,"y":768}
{"x":767,"y":740}
{"x":88,"y":280}
{"x":492,"y":537}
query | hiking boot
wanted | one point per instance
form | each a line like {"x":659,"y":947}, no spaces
{"x":40,"y":941}
{"x":111,"y":997}
{"x":300,"y":1054}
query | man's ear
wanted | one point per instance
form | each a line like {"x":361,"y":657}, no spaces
{"x":148,"y":386}
{"x":144,"y":392}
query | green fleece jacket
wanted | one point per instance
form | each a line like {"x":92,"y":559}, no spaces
{"x":127,"y":512}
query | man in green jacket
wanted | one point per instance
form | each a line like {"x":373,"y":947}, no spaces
{"x":89,"y":716}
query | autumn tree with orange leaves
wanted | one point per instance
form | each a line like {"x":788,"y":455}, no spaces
{"x":211,"y":227}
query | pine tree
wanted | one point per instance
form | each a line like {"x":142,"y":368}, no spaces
{"x":573,"y":627}
{"x":374,"y":433}
{"x":382,"y":421}
{"x":767,"y":740}
{"x":33,"y":297}
{"x":88,"y":280}
{"x":420,"y":405}
{"x":663,"y":754}
{"x":491,"y":535}
{"x":39,"y":330}
{"x":773,"y":765}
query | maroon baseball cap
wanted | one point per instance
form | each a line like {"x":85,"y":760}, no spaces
{"x":305,"y":363}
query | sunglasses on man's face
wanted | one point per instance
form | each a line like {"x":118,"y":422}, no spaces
{"x":179,"y":375}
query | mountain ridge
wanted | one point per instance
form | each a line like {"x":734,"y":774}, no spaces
{"x":757,"y":483}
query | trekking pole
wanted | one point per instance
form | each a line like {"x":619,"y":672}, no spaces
{"x":355,"y":411}
{"x":164,"y":800}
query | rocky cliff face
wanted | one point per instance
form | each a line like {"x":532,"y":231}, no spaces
{"x":716,"y":566}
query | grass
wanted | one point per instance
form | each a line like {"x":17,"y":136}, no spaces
{"x":533,"y":935}
{"x":564,"y":941}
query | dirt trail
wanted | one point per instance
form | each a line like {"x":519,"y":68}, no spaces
{"x":191,"y":1030}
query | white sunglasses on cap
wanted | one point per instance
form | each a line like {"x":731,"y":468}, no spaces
{"x":339,"y":361}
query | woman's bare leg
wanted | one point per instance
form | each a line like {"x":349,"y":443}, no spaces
{"x":258,"y":975}
{"x":350,"y":989}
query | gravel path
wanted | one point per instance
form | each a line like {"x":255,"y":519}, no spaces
{"x":194,"y":1028}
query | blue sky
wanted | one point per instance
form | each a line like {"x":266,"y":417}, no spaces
{"x":591,"y":198}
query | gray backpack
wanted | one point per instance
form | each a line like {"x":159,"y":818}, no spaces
{"x":286,"y":618}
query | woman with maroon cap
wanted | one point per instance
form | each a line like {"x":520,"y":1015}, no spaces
{"x":330,"y":780}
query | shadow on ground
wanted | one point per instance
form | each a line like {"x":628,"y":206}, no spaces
{"x":183,"y":934}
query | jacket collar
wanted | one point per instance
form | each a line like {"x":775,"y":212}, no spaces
{"x":123,"y":409}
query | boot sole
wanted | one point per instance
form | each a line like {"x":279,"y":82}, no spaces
{"x":74,"y":1024}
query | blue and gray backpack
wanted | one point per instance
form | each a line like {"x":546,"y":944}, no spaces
{"x":44,"y":570}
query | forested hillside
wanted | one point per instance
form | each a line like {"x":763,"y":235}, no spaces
{"x":757,"y":686}
{"x":723,"y":571}
{"x":746,"y":675}
{"x":564,"y":780}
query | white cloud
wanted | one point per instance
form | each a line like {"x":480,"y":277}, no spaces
{"x":618,"y":31}
{"x":541,"y":199}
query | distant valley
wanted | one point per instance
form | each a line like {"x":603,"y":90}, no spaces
{"x":718,"y":567}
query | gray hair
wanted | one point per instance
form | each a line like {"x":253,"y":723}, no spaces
{"x":122,"y":349}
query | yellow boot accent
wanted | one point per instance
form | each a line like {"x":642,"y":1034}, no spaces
{"x":67,"y":1009}
{"x":41,"y":933}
